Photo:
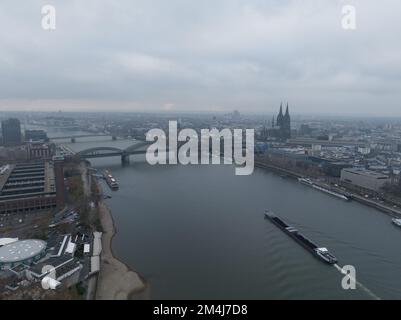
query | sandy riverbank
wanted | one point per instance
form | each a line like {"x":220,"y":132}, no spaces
{"x":115,"y":281}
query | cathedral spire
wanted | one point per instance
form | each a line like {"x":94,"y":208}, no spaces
{"x":280,"y":117}
{"x":282,"y":124}
{"x":281,"y":109}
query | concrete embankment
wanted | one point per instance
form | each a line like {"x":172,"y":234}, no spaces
{"x":277,"y":169}
{"x":394,"y":212}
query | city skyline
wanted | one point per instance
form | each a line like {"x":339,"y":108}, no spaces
{"x":180,"y":57}
{"x":68,"y":180}
{"x":224,"y":152}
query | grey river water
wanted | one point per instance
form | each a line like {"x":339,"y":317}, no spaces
{"x":198,"y":232}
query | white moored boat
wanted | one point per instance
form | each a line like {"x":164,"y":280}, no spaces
{"x":397,"y":222}
{"x":310,"y":183}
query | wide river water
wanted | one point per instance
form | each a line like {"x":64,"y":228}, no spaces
{"x":198,"y":232}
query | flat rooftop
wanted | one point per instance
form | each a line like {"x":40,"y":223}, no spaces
{"x":361,"y":171}
{"x":21,"y":250}
{"x":26,"y":180}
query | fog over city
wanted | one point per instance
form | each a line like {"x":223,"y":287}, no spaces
{"x":201,"y":56}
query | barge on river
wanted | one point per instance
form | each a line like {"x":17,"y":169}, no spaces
{"x":321,"y":253}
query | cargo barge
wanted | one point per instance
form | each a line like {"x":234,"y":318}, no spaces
{"x":321,"y":253}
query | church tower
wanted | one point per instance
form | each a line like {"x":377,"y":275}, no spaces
{"x":283,"y":124}
{"x":286,"y":124}
{"x":280,"y":117}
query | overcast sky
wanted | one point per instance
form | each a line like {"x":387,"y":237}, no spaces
{"x":201,"y":55}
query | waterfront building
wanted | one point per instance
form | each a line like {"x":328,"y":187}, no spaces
{"x":364,"y":179}
{"x":64,"y":267}
{"x":28,"y":187}
{"x":11,"y":132}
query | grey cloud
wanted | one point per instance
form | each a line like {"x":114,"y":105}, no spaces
{"x":201,"y":55}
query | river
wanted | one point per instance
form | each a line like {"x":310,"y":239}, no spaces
{"x":198,"y":232}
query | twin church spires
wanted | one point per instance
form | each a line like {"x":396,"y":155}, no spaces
{"x":282,"y":124}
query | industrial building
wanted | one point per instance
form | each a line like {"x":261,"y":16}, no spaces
{"x":21,"y":252}
{"x":364,"y":179}
{"x":27,"y":187}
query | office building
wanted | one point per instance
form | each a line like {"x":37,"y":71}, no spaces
{"x":11,"y":132}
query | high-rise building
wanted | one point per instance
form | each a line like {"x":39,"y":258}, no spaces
{"x":11,"y":132}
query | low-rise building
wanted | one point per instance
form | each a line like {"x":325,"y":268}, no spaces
{"x":364,"y":179}
{"x":21,"y":252}
{"x":27,"y":187}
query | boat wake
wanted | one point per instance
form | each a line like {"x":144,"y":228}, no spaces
{"x":360,"y":285}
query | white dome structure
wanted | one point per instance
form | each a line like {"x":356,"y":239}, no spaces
{"x":23,"y":251}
